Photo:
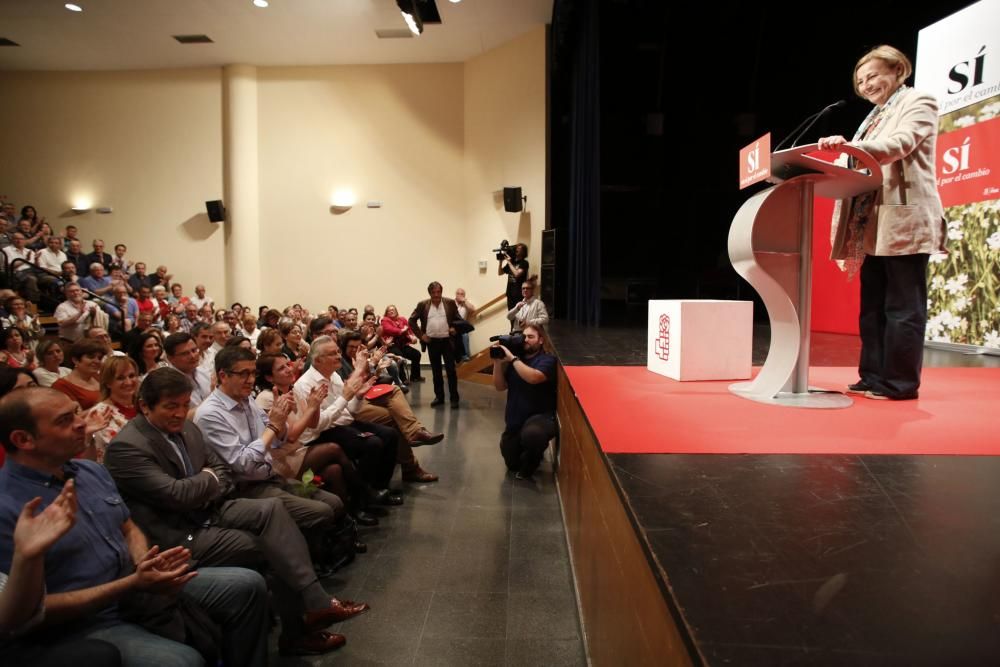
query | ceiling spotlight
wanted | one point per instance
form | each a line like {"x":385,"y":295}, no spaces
{"x":408,"y":8}
{"x":73,"y":8}
{"x":260,"y":3}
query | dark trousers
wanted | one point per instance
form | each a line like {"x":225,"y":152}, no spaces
{"x":251,"y":532}
{"x":522,"y":448}
{"x":412,"y":354}
{"x":892,"y":322}
{"x":438,"y":349}
{"x":374,"y":455}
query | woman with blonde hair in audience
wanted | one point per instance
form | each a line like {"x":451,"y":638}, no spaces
{"x":249,"y":327}
{"x":50,"y":358}
{"x":275,"y":377}
{"x":119,"y":385}
{"x":30,"y":327}
{"x":82,"y":384}
{"x":147,"y":352}
{"x":16,"y":354}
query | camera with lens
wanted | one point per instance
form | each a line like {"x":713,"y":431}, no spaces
{"x":505,"y":250}
{"x":513,"y":342}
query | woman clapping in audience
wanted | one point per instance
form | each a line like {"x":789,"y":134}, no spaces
{"x":275,"y":376}
{"x":30,"y":328}
{"x":119,"y":384}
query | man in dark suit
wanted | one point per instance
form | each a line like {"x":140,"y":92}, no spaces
{"x":432,"y":322}
{"x":99,"y":256}
{"x":181,"y":493}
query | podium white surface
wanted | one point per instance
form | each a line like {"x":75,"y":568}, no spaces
{"x":700,"y":339}
{"x":770,"y":245}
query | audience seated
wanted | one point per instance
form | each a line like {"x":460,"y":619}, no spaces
{"x":183,"y":355}
{"x":119,"y":381}
{"x":200,"y":300}
{"x":400,"y":338}
{"x":103,"y":570}
{"x":96,"y":281}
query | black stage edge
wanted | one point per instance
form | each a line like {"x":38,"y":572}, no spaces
{"x":774,"y":560}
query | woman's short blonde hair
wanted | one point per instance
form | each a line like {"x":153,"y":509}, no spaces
{"x":109,"y":371}
{"x":892,"y":57}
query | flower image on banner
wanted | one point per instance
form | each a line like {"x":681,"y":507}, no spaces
{"x":964,"y":289}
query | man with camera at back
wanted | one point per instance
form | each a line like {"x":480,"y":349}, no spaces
{"x":528,"y":373}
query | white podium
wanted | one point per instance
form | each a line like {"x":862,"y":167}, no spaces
{"x":700,"y":339}
{"x":770,"y":246}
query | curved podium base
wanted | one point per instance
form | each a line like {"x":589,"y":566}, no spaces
{"x":815,"y":398}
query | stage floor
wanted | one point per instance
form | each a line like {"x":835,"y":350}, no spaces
{"x":815,"y":559}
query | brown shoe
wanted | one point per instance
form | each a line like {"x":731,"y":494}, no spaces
{"x":419,"y":475}
{"x":339,"y":610}
{"x":311,"y":643}
{"x":425,"y":437}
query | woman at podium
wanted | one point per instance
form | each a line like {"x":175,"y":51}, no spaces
{"x":890,"y":233}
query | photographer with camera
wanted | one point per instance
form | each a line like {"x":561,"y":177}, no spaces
{"x":513,"y":262}
{"x":528,"y":373}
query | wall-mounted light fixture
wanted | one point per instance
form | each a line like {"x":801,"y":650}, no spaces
{"x":343,"y":200}
{"x":81,"y":205}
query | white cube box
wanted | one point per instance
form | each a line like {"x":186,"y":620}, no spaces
{"x":700,"y":339}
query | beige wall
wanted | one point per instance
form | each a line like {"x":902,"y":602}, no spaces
{"x":505,"y":145}
{"x":146,"y":143}
{"x":389,"y":133}
{"x":434,"y":143}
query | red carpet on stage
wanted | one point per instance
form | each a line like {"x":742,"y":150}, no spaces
{"x":635,"y":411}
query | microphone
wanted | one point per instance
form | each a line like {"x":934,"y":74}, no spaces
{"x":808,"y":123}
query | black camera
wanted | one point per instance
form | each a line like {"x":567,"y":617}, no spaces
{"x":505,"y":250}
{"x":513,"y":342}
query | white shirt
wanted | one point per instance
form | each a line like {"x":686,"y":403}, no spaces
{"x":437,"y":321}
{"x":201,"y":301}
{"x":201,"y":384}
{"x":335,"y":410}
{"x":66,"y":311}
{"x":52,"y":261}
{"x":13,"y":253}
{"x":208,"y":358}
{"x":47,"y":378}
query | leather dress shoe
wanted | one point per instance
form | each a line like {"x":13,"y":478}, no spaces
{"x":312,"y":643}
{"x":360,"y":547}
{"x":436,"y":402}
{"x":339,"y":610}
{"x":419,"y":475}
{"x":858,"y":387}
{"x":392,"y":499}
{"x":425,"y":437}
{"x":364,"y":518}
{"x":417,"y":379}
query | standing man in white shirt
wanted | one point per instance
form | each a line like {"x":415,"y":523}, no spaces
{"x":431,"y":323}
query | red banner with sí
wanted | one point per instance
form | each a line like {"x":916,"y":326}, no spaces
{"x":968,"y":164}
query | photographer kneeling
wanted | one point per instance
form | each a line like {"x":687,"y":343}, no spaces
{"x":531,"y":401}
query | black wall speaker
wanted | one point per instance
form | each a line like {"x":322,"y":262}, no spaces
{"x":512,"y":200}
{"x":216,"y":211}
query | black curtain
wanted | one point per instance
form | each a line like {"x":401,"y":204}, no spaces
{"x":583,"y":296}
